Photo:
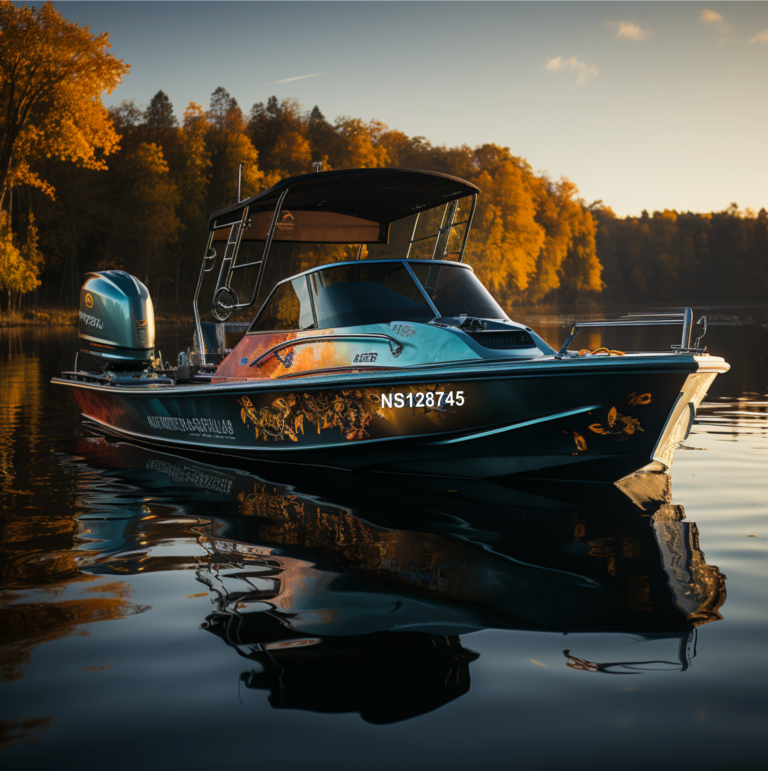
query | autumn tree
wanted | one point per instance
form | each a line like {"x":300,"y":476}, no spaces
{"x":322,"y":137}
{"x":508,"y":239}
{"x":158,"y":117}
{"x":358,"y":146}
{"x":52,"y":76}
{"x":279,"y":133}
{"x":10,"y":257}
{"x":144,"y":221}
{"x":569,"y":230}
{"x":193,"y":178}
{"x":155,"y":198}
{"x":409,"y":152}
{"x":19,"y":265}
{"x":126,"y":116}
{"x":230,"y":146}
{"x":221,"y":107}
{"x":581,"y":273}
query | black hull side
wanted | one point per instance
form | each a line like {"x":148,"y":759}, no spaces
{"x":591,"y":423}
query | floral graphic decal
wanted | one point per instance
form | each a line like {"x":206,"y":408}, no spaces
{"x":349,"y":411}
{"x":579,"y":441}
{"x":619,"y":425}
{"x":287,"y":417}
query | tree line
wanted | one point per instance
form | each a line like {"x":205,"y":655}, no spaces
{"x":148,"y":213}
{"x":672,"y":257}
{"x":84,"y":188}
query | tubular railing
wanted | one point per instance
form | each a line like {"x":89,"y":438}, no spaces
{"x":395,"y":346}
{"x":649,"y":320}
{"x":442,"y":237}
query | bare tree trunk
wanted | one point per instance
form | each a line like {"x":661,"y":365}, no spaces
{"x":6,"y":158}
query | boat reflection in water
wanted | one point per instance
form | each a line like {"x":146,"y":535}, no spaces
{"x":351,"y":595}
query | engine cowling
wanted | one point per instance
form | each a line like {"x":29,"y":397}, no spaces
{"x":117,"y":319}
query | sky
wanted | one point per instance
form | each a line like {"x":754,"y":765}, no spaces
{"x":642,"y":105}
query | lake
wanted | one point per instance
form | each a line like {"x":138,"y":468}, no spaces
{"x":159,"y":610}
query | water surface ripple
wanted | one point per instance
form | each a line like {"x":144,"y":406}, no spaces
{"x":158,"y":609}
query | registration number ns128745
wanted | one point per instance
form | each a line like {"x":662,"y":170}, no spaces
{"x":433,"y":399}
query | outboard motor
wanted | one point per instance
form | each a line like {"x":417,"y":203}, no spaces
{"x":117,"y":320}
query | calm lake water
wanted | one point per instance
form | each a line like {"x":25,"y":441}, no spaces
{"x":154,"y":609}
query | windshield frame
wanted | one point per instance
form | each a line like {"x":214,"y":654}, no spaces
{"x":330,"y":266}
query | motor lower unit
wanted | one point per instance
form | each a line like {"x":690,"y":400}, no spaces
{"x":117,"y":320}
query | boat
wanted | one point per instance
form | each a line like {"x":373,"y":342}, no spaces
{"x":401,"y":363}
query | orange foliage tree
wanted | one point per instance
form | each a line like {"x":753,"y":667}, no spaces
{"x":52,"y":75}
{"x":154,"y":198}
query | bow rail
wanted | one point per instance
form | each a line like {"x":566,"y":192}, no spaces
{"x":685,"y":318}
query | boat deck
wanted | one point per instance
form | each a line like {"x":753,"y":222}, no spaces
{"x":465,"y":370}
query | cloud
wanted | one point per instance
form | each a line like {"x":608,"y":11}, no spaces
{"x":716,"y":20}
{"x":711,"y":17}
{"x":574,"y":65}
{"x":760,"y":37}
{"x":630,"y":30}
{"x":298,"y":77}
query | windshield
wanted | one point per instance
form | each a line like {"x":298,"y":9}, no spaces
{"x":376,"y":293}
{"x":288,"y":308}
{"x":457,"y":291}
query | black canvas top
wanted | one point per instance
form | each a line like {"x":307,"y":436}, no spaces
{"x":382,"y":196}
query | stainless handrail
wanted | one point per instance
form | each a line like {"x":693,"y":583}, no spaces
{"x":197,"y":294}
{"x":445,"y":229}
{"x":230,"y":257}
{"x":449,"y":214}
{"x":395,"y":346}
{"x":267,"y":247}
{"x":647,"y":320}
{"x":468,"y":228}
{"x":413,"y":235}
{"x":237,"y":305}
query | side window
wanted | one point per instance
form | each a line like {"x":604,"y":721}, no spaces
{"x":456,"y":291}
{"x":289,"y":308}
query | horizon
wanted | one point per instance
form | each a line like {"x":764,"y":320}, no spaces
{"x":599,"y":84}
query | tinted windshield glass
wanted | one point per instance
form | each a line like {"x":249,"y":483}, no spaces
{"x":288,"y":308}
{"x":456,"y":291}
{"x":348,"y":295}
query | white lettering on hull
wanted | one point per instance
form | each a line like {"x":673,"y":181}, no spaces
{"x":433,"y":400}
{"x":192,"y":426}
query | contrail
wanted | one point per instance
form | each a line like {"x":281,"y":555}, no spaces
{"x":298,"y":77}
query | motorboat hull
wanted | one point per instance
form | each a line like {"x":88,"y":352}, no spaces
{"x":590,"y":419}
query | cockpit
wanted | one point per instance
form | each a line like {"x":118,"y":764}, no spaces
{"x":392,"y":291}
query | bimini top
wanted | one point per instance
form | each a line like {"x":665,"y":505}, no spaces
{"x":348,"y":206}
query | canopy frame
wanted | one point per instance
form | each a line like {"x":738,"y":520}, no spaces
{"x":241,"y":218}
